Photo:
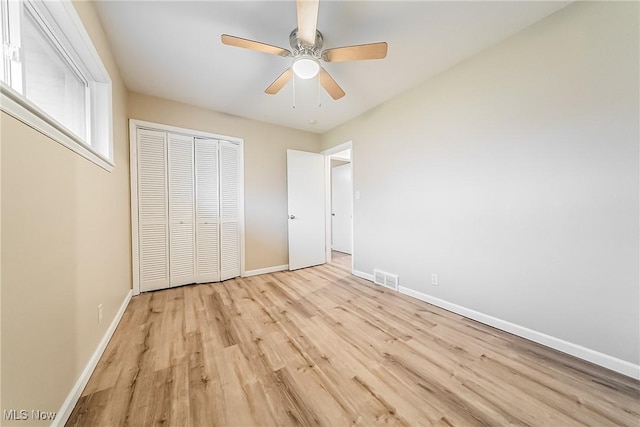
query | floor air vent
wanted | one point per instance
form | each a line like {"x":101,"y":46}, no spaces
{"x":387,"y":280}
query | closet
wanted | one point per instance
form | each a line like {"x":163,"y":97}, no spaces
{"x":188,"y":208}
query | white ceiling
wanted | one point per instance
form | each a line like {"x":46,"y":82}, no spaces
{"x":172,"y":49}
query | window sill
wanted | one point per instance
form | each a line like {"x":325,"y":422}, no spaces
{"x":14,"y":104}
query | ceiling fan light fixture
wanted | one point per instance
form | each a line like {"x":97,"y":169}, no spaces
{"x":306,"y":67}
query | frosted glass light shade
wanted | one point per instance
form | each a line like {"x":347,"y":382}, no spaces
{"x":306,"y":67}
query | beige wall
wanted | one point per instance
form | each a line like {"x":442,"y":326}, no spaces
{"x":514,"y":176}
{"x":265,"y":177}
{"x":65,"y":249}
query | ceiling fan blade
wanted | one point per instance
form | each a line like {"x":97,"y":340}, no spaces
{"x":307,"y":21}
{"x":253,"y":45}
{"x":330,"y":85}
{"x":279,"y":83}
{"x":356,"y":53}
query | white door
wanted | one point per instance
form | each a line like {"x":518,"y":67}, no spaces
{"x":341,"y":208}
{"x":305,"y":191}
{"x":229,"y":210}
{"x":182,"y":266}
{"x":207,"y":211}
{"x":153,"y":239}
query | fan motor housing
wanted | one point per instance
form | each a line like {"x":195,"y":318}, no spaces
{"x":300,"y":48}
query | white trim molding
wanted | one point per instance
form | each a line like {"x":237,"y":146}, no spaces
{"x":62,"y":416}
{"x":17,"y":106}
{"x":327,"y":168}
{"x":618,"y":365}
{"x":135,"y":123}
{"x":363,"y":275}
{"x":266,"y":270}
{"x":133,"y":178}
{"x":601,"y":359}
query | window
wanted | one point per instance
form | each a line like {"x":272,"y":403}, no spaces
{"x":52,"y":78}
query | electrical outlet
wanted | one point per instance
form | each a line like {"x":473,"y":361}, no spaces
{"x":99,"y":313}
{"x":434,"y":279}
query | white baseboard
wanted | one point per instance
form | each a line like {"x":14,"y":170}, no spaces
{"x":266,"y":270}
{"x":362,"y":275}
{"x":609,"y":362}
{"x":70,"y":402}
{"x":622,"y":366}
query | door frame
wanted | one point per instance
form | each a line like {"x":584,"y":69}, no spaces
{"x":327,"y":165}
{"x":339,"y":174}
{"x":134,"y":125}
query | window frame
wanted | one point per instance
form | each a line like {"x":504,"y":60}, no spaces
{"x":70,"y":37}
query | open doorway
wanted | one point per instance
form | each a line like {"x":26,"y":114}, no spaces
{"x":341,"y":212}
{"x":339,"y":201}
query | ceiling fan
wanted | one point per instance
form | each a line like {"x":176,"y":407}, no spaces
{"x":306,"y":42}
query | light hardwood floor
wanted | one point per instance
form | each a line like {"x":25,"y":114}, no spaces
{"x":321,"y":347}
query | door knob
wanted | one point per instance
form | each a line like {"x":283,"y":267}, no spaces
{"x":292,"y":217}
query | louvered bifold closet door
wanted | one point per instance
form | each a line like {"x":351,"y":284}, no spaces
{"x":181,"y":210}
{"x":229,"y":210}
{"x":207,"y":211}
{"x":153,"y":241}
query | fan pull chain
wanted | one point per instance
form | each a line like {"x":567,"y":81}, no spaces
{"x":319,"y":99}
{"x":294,"y":91}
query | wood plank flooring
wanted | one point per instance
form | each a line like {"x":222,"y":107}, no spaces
{"x":321,"y":347}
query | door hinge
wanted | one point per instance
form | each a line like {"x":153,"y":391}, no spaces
{"x":11,"y":52}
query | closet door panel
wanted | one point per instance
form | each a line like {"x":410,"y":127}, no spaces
{"x":182,"y":254}
{"x":207,"y":211}
{"x":230,"y":254}
{"x":152,"y":210}
{"x":181,"y":210}
{"x":208,"y":253}
{"x":229,"y":210}
{"x":188,"y":209}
